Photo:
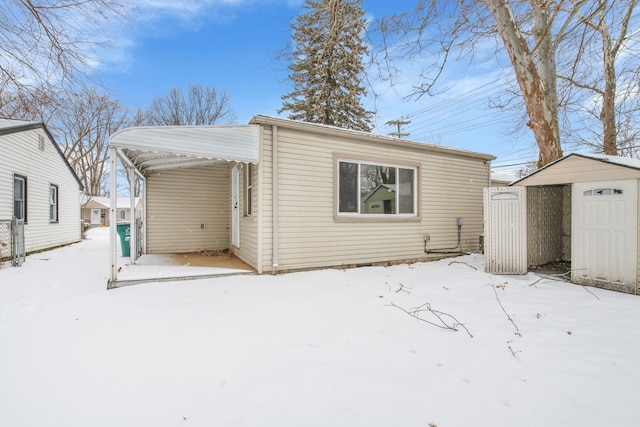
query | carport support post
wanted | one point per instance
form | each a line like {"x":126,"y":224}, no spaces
{"x":133,"y":232}
{"x":113,"y":236}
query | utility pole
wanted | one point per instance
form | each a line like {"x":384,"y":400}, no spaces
{"x":399,"y":123}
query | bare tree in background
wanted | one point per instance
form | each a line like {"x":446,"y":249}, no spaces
{"x":452,"y":30}
{"x":564,"y":55}
{"x":83,"y":130}
{"x":81,"y":122}
{"x":50,"y":41}
{"x":197,"y":105}
{"x":601,"y":87}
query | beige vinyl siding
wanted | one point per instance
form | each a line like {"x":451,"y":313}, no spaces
{"x":579,"y":169}
{"x":309,"y":234}
{"x":180,"y":201}
{"x":20,"y":154}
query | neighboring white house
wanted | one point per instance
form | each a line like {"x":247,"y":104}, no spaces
{"x":582,"y":208}
{"x":38,"y":185}
{"x":95,"y":210}
{"x":285,"y":195}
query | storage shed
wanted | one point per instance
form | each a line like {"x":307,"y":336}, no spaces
{"x":582,"y":208}
{"x":285,"y":195}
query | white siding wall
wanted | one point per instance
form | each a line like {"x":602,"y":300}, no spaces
{"x":20,"y":154}
{"x":179,"y":201}
{"x":309,"y":236}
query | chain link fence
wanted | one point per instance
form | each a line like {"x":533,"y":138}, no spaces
{"x":12,"y":248}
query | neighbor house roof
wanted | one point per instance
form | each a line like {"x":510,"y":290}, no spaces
{"x":9,"y":126}
{"x":583,"y":167}
{"x":152,"y":148}
{"x":105,"y":202}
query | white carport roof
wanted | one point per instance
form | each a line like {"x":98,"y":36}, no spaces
{"x":168,"y":147}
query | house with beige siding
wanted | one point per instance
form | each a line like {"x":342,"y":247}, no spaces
{"x":38,"y":186}
{"x":581,"y":209}
{"x":284,"y":195}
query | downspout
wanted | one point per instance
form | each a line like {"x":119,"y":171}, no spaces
{"x":274,"y":195}
{"x":113,"y":177}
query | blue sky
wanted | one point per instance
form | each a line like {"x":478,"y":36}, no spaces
{"x":232,"y":45}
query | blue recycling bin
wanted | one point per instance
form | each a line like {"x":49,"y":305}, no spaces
{"x":124,"y":231}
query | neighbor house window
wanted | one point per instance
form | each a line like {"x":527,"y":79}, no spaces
{"x":121,"y":214}
{"x":20,"y":197}
{"x":249,"y":190}
{"x":53,"y":203}
{"x":376,"y":189}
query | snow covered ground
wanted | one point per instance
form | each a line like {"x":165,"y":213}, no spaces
{"x":322,"y":348}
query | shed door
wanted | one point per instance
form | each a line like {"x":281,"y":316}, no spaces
{"x":505,"y":230}
{"x":95,"y":217}
{"x":604,"y":233}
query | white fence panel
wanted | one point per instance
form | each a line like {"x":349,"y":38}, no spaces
{"x":505,"y":222}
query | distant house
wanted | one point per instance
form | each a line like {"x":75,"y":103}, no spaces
{"x":583,"y":209}
{"x":285,"y":195}
{"x":380,"y":200}
{"x":38,"y":186}
{"x":95,"y":210}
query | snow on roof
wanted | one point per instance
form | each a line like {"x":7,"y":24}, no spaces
{"x":122,"y":202}
{"x":622,"y":161}
{"x":613,"y":160}
{"x":9,"y":123}
{"x":164,"y":147}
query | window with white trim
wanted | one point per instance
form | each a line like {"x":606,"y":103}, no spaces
{"x":376,"y":189}
{"x":121,"y":214}
{"x":20,"y":197}
{"x":53,"y":203}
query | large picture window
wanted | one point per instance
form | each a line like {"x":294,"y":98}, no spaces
{"x":370,"y":189}
{"x":20,"y":197}
{"x":53,"y":203}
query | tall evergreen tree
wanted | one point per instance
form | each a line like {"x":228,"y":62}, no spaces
{"x":327,"y":65}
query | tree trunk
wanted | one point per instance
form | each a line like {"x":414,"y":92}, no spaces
{"x":537,"y":84}
{"x":607,"y":114}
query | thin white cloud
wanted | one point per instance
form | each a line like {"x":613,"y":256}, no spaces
{"x":158,"y":18}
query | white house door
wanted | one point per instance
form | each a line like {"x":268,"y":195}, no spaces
{"x":235,"y":208}
{"x":505,"y":230}
{"x":604,"y":233}
{"x":95,"y":216}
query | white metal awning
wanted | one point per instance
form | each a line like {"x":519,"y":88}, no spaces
{"x":167,"y":147}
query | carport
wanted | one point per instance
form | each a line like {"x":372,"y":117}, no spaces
{"x":582,"y":208}
{"x":204,"y":159}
